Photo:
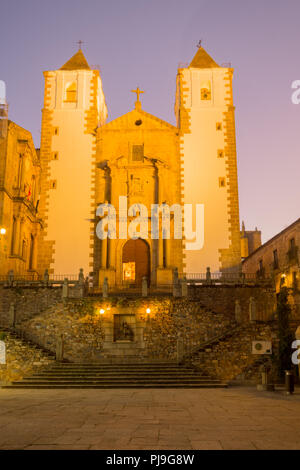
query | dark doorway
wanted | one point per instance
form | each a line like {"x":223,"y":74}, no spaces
{"x":135,"y":261}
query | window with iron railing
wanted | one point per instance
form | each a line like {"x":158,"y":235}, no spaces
{"x":275,"y":260}
{"x":260,"y":273}
{"x":292,"y":253}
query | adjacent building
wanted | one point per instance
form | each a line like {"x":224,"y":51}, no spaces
{"x":278,"y":257}
{"x":250,"y":241}
{"x":20,"y":222}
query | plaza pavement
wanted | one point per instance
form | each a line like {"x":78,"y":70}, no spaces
{"x":233,"y":418}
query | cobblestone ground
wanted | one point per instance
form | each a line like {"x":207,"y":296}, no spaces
{"x":234,"y":418}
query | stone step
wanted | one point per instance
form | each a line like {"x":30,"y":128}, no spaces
{"x":71,"y":365}
{"x":119,"y":379}
{"x":125,"y":369}
{"x":160,"y":375}
{"x":121,"y":386}
{"x":108,"y":375}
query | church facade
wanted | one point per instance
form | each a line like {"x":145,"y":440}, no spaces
{"x":87,"y":162}
{"x":137,"y":158}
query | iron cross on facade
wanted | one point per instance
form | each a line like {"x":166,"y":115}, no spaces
{"x":138,"y":92}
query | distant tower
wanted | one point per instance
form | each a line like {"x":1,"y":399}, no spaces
{"x":205,"y":115}
{"x":3,"y":111}
{"x":74,"y":106}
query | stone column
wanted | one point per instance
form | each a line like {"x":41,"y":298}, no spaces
{"x":11,"y":277}
{"x":176,"y":285}
{"x":16,"y":241}
{"x":105,"y":288}
{"x":238,"y":312}
{"x":46,"y":276}
{"x":34,"y":252}
{"x":60,"y":348}
{"x":160,"y":252}
{"x":20,"y":241}
{"x":167,"y":252}
{"x":104,"y":253}
{"x":184,"y":287}
{"x":155,"y":243}
{"x":65,"y":289}
{"x":252,"y":310}
{"x":81,"y":276}
{"x":144,"y":287}
{"x":81,"y":283}
{"x":12,"y":315}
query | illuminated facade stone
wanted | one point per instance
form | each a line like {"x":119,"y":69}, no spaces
{"x":74,"y":106}
{"x":137,"y":157}
{"x":86,"y":162}
{"x":205,"y":116}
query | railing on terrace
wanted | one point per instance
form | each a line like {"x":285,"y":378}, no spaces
{"x":38,"y":279}
{"x":224,"y":278}
{"x":189,"y":279}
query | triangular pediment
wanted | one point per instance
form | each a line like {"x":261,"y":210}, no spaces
{"x":138,"y":118}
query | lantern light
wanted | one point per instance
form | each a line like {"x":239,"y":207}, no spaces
{"x":148,"y":310}
{"x":102,"y":311}
{"x":2,"y":231}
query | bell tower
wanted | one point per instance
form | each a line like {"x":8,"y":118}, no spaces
{"x":205,"y":115}
{"x":74,"y":107}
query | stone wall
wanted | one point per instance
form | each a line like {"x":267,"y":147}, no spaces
{"x":28,"y":302}
{"x":21,"y":359}
{"x":87,"y":333}
{"x":161,"y":324}
{"x":221,"y":299}
{"x":80,"y":324}
{"x":232,"y":358}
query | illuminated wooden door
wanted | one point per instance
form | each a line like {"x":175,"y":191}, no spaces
{"x":136,"y":261}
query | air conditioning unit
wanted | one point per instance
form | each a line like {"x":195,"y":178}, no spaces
{"x":261,"y":347}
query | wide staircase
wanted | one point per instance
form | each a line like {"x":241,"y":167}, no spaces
{"x":89,"y":376}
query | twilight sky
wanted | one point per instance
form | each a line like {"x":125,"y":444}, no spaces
{"x":141,"y":42}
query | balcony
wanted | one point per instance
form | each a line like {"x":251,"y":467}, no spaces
{"x":274,"y":266}
{"x":260,"y":273}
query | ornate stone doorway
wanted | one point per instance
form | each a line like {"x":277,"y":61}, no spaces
{"x":135,"y":261}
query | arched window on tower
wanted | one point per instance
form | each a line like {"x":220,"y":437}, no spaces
{"x":206,"y":90}
{"x":71,"y":93}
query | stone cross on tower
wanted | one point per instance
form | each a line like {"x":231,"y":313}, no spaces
{"x":138,"y":92}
